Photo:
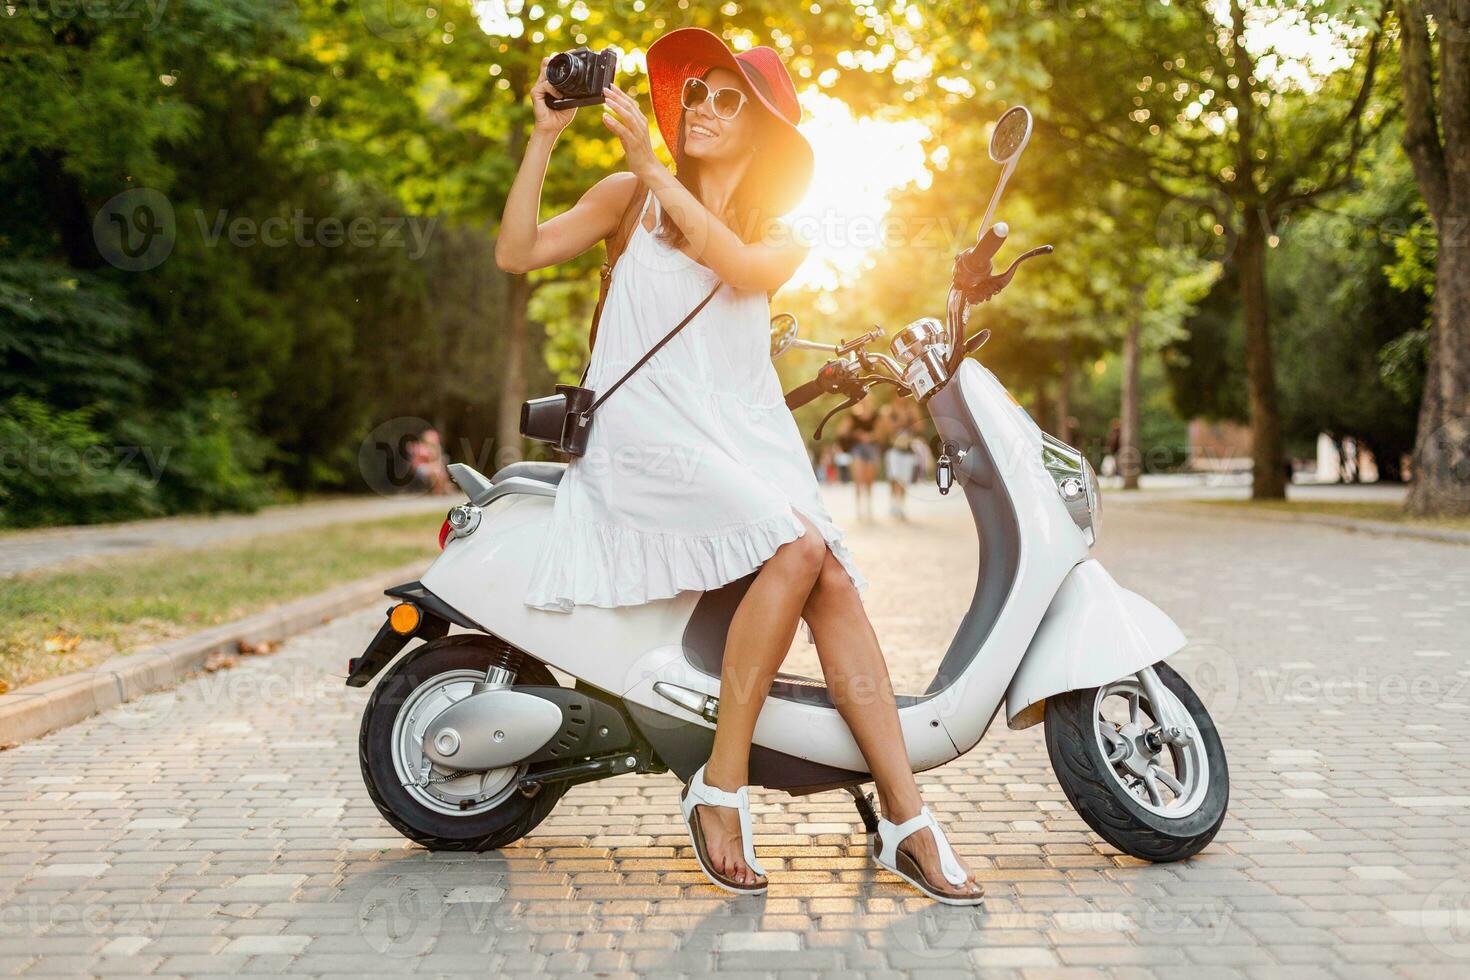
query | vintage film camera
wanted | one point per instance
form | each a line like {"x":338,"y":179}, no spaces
{"x":580,"y":75}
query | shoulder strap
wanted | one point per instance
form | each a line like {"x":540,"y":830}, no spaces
{"x":651,"y":351}
{"x":615,"y":243}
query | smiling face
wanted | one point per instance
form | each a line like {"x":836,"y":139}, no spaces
{"x":708,"y":137}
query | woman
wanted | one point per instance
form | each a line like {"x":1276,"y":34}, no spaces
{"x":862,"y":424}
{"x":708,"y":478}
{"x":899,"y":460}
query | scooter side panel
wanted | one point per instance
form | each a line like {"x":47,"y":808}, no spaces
{"x":1095,"y":632}
{"x":1049,"y":541}
{"x":485,"y":577}
{"x":811,"y":732}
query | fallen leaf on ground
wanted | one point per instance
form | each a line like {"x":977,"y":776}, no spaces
{"x":220,"y":661}
{"x":61,"y":643}
{"x":261,"y":649}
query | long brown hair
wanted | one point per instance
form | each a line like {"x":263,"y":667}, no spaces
{"x":750,"y":210}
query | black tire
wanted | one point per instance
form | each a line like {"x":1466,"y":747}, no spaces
{"x":487,"y":831}
{"x":1111,"y":811}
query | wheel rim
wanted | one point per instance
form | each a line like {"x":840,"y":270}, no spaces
{"x":447,"y":791}
{"x":1167,"y":779}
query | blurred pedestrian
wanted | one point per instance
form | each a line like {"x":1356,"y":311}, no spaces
{"x":1112,"y":447}
{"x":426,"y":456}
{"x":862,"y":425}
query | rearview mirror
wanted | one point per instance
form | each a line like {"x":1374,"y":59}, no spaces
{"x":783,"y":333}
{"x":1012,"y":133}
{"x":1008,"y":140}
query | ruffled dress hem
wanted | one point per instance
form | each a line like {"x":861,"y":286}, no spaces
{"x":634,"y":566}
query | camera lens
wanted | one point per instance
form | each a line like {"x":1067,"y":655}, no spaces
{"x":564,"y":72}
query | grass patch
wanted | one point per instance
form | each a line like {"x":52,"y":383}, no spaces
{"x":1362,"y":510}
{"x":54,"y":623}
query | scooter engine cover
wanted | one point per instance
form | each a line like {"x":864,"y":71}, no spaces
{"x":491,"y":729}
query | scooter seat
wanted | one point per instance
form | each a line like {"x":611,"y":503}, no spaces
{"x":544,"y":472}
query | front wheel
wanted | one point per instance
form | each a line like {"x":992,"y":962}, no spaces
{"x":1144,"y":790}
{"x":444,"y":810}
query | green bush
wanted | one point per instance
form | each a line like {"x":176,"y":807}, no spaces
{"x":56,"y":469}
{"x":203,"y":457}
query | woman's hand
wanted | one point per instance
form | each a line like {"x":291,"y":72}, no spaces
{"x":548,"y":120}
{"x":626,"y":120}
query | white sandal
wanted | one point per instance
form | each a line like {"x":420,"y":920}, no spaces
{"x":885,"y":851}
{"x":698,"y":793}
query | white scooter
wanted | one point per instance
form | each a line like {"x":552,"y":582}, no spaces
{"x":469,"y":741}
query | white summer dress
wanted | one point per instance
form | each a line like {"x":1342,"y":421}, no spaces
{"x":695,"y":468}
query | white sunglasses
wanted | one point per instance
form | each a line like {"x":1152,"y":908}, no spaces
{"x":727,"y":102}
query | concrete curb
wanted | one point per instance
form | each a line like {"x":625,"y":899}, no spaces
{"x":38,"y":709}
{"x":1385,"y":529}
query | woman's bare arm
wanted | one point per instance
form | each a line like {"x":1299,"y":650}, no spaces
{"x":524,"y":242}
{"x":764,"y":265}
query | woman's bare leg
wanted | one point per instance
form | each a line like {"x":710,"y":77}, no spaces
{"x":857,"y":677}
{"x":760,"y":637}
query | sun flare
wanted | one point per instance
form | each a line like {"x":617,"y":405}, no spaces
{"x":859,"y":161}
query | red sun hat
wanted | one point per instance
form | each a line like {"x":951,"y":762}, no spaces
{"x":785,"y":162}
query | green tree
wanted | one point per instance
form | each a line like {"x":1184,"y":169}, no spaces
{"x":1198,"y":112}
{"x":1434,"y":45}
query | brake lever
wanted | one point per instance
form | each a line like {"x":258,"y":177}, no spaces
{"x":851,"y":401}
{"x":985,"y":288}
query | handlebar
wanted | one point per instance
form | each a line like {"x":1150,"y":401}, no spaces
{"x":804,"y":394}
{"x":975,"y":281}
{"x":977,"y":258}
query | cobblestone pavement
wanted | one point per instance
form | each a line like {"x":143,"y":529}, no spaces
{"x":224,"y":828}
{"x":28,"y":551}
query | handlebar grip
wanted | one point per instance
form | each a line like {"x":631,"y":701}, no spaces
{"x":977,"y":259}
{"x":804,"y":395}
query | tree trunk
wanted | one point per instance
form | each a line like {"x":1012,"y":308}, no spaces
{"x":1130,"y":454}
{"x":1437,"y":140}
{"x":508,"y":441}
{"x":1064,"y":398}
{"x":1268,"y":456}
{"x":1442,"y":449}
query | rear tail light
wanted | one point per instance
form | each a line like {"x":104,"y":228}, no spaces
{"x":444,"y":535}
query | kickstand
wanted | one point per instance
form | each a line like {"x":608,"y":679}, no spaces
{"x":864,"y":802}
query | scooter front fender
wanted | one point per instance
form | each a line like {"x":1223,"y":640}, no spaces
{"x":1094,"y":632}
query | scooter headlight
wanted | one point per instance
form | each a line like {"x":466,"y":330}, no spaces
{"x":1076,"y":483}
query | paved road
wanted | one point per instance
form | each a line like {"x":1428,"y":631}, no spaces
{"x":224,"y":828}
{"x":1237,"y":486}
{"x":26,"y":551}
